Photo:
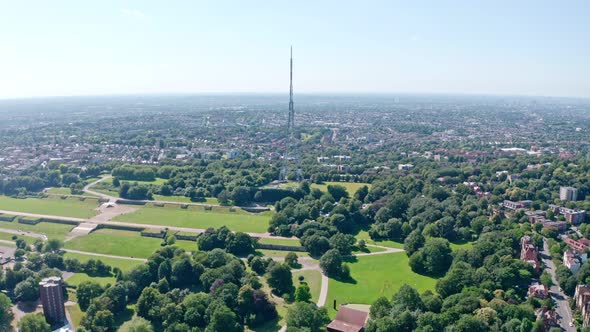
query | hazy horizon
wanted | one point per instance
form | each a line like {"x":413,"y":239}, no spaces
{"x":499,"y":48}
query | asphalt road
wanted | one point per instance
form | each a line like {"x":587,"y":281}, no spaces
{"x":561,"y":301}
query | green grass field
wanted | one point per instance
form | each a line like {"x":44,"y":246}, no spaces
{"x":156,"y":182}
{"x":120,"y":243}
{"x":351,"y":187}
{"x":8,"y":237}
{"x":363,"y":235}
{"x":52,"y":230}
{"x":461,"y":245}
{"x":283,"y":242}
{"x":184,"y":199}
{"x":64,"y":191}
{"x":313,"y":279}
{"x":79,"y":278}
{"x":374,"y":276}
{"x":278,"y":253}
{"x":123,"y":264}
{"x":197,"y":217}
{"x":70,"y":207}
{"x":74,"y":310}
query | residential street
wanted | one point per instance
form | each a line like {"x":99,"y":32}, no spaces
{"x":561,"y":302}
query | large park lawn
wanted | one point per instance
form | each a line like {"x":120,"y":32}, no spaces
{"x":123,"y":264}
{"x":374,"y":276}
{"x":120,"y":243}
{"x":70,"y":207}
{"x":198,"y":217}
{"x":52,"y":230}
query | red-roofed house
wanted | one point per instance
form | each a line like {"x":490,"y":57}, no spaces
{"x":348,"y":320}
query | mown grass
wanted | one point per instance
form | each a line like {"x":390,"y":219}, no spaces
{"x":70,"y":207}
{"x":351,"y":187}
{"x":313,"y":279}
{"x":123,"y":264}
{"x":363,"y":235}
{"x":198,"y":217}
{"x":81,"y":277}
{"x":120,"y":243}
{"x":52,"y":230}
{"x":8,"y":237}
{"x":282,"y":242}
{"x":375,"y":276}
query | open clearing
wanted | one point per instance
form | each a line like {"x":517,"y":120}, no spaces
{"x":123,"y":264}
{"x":121,"y":243}
{"x":351,"y":187}
{"x":69,"y":207}
{"x":363,"y":235}
{"x":282,"y":242}
{"x":80,"y":277}
{"x":198,"y":217}
{"x":313,"y":279}
{"x":52,"y":230}
{"x":375,"y":276}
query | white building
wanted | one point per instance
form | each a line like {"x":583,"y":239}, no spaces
{"x":568,"y":193}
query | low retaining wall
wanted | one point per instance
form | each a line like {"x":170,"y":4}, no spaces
{"x":279,"y":247}
{"x":129,"y":202}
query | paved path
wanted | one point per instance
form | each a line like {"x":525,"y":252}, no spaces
{"x":104,"y":255}
{"x":561,"y":301}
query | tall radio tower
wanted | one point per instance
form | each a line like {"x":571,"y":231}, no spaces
{"x":291,"y":156}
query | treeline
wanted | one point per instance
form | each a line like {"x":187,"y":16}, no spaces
{"x":162,"y":290}
{"x":36,"y":179}
{"x":484,"y":290}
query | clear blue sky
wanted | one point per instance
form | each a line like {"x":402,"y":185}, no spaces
{"x":104,"y":47}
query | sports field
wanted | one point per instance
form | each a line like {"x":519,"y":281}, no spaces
{"x":121,"y":243}
{"x":374,"y":276}
{"x":70,"y":207}
{"x":198,"y":217}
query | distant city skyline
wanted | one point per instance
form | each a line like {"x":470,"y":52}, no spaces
{"x":68,"y":48}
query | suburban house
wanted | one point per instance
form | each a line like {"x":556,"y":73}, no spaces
{"x":538,"y":291}
{"x":582,"y":297}
{"x":348,"y":320}
{"x":549,"y":318}
{"x":572,"y":260}
{"x":529,"y":252}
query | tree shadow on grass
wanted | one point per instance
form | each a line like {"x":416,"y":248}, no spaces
{"x":123,"y":317}
{"x":350,"y":259}
{"x":270,"y":326}
{"x":345,"y":279}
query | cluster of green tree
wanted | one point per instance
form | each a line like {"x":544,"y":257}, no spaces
{"x":162,"y":290}
{"x":135,"y":191}
{"x":36,"y":178}
{"x":484,"y":289}
{"x":134,"y":173}
{"x":280,"y":278}
{"x":318,"y":213}
{"x":238,"y":243}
